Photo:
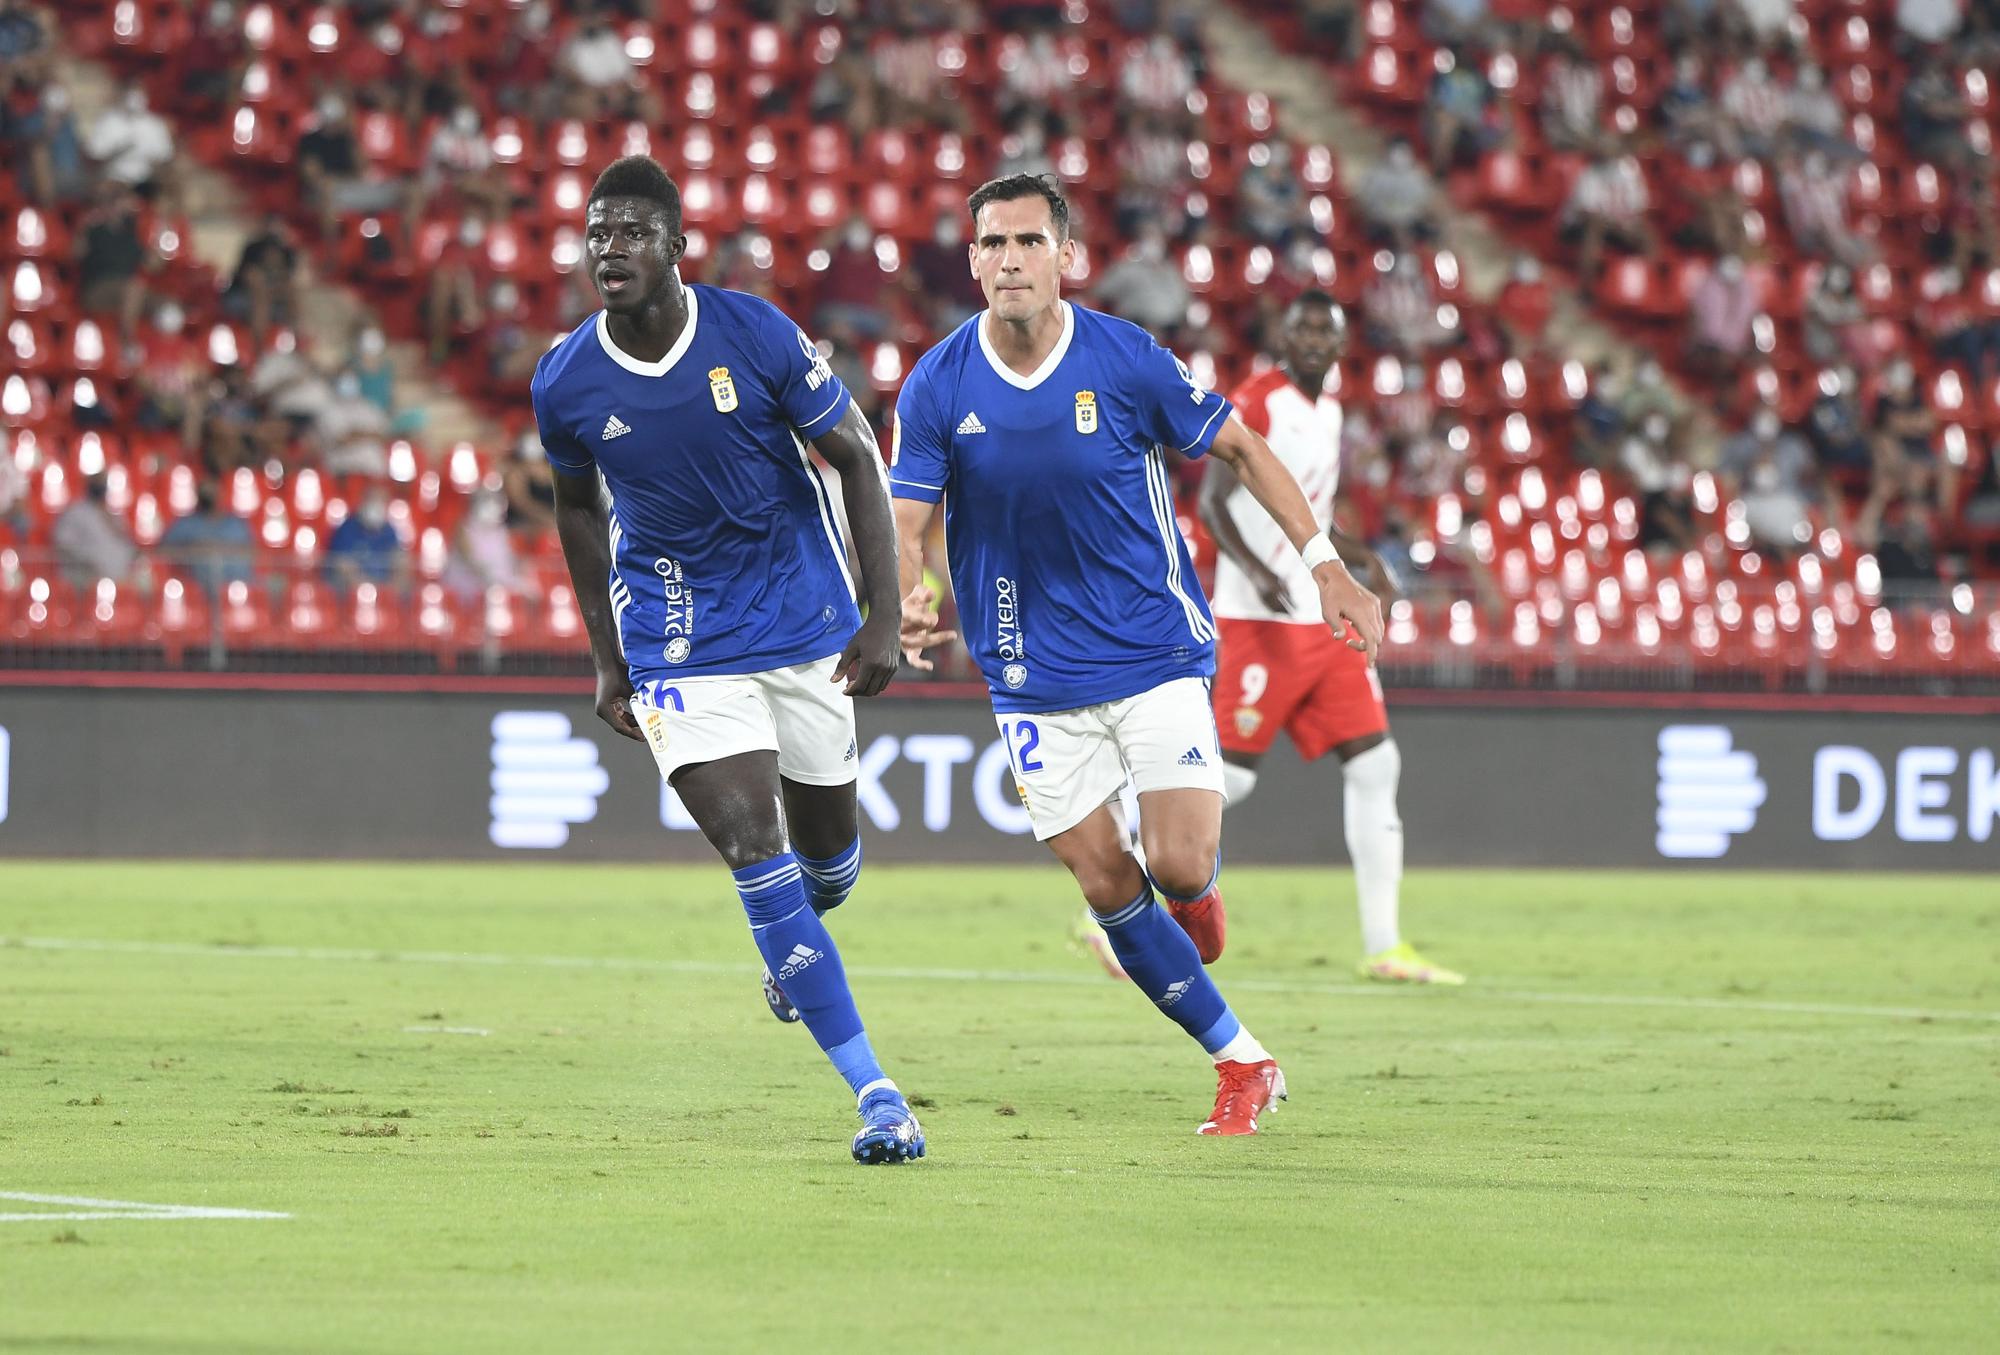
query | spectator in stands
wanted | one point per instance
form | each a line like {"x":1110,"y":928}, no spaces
{"x":171,"y":375}
{"x":1647,"y":395}
{"x":1152,"y":170}
{"x":1970,"y":240}
{"x":350,"y":431}
{"x":1271,"y":203}
{"x":1145,"y":286}
{"x":111,"y":257}
{"x":1607,"y":206}
{"x":373,"y":369}
{"x":1663,"y":480}
{"x":458,"y":166}
{"x":1395,"y":199}
{"x":1456,"y":22}
{"x":595,"y":69}
{"x":1335,"y":24}
{"x":367,"y":548}
{"x":1702,"y":211}
{"x":1834,"y":321}
{"x":90,"y":543}
{"x":132,"y":144}
{"x":1598,"y":427}
{"x":263,"y":291}
{"x":1765,"y":20}
{"x":1753,"y":109}
{"x":1524,"y":306}
{"x":38,"y":134}
{"x":1905,"y":432}
{"x":855,"y":296}
{"x":13,"y":499}
{"x":529,"y":485}
{"x":234,"y":431}
{"x":1934,"y":115}
{"x":22,"y":34}
{"x":1928,"y":21}
{"x":1400,"y":310}
{"x":1037,"y":76}
{"x":1814,"y":194}
{"x":1954,"y":327}
{"x":913,"y":87}
{"x":331,"y":170}
{"x":1572,"y":99}
{"x":483,"y":555}
{"x":1687,"y":107}
{"x":938,"y":277}
{"x":1899,"y":531}
{"x":1770,"y":470}
{"x":1463,"y":119}
{"x":1156,"y":74}
{"x":1722,"y":310}
{"x":451,"y":308}
{"x":210,"y":546}
{"x":845,"y":92}
{"x":1839,"y":438}
{"x":513,"y":345}
{"x":1982,"y":503}
{"x":1814,"y":118}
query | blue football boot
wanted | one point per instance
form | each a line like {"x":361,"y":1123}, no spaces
{"x":889,"y":1131}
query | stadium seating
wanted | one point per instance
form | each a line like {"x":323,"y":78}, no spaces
{"x":1557,"y":546}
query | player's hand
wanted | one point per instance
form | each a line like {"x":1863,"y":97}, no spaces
{"x":869,"y":660}
{"x":614,"y":704}
{"x":919,"y":630}
{"x":1271,"y":589}
{"x":1351,"y":611}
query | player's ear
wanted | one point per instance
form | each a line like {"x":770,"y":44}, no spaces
{"x":1066,"y":256}
{"x":677,"y":248}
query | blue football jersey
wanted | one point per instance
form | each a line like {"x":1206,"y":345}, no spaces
{"x":1074,"y":585}
{"x":725,"y":553}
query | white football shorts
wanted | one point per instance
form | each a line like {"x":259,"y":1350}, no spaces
{"x":1069,"y":762}
{"x":799,"y":712}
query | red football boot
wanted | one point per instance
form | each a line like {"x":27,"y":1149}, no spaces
{"x":1243,"y":1092}
{"x":1204,"y":921}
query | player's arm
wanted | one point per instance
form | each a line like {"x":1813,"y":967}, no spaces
{"x":919,"y":612}
{"x":1218,"y":482}
{"x":1243,"y":450}
{"x":869,"y":660}
{"x":584,"y":527}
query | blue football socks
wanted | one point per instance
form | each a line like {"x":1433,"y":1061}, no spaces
{"x":802,"y":957}
{"x":1163,"y":962}
{"x":830,"y":881}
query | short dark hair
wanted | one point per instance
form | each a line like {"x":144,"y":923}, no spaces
{"x":1319,"y":298}
{"x":1014,"y":187}
{"x":640,"y":176}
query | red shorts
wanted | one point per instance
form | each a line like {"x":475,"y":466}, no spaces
{"x":1276,"y":675}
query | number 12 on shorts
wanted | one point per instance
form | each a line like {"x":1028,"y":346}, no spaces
{"x":1022,"y":740}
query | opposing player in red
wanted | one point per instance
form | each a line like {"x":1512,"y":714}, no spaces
{"x":1279,"y":668}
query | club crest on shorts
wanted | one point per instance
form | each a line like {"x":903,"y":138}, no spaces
{"x":1086,"y":411}
{"x":723,"y":388}
{"x":1247,"y":720}
{"x":655,"y":725}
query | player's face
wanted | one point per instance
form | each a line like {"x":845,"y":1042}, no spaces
{"x":1313,"y":339}
{"x":1017,"y":258}
{"x":631,"y":251}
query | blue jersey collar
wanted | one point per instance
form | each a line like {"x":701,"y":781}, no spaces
{"x":1049,"y":363}
{"x":665,"y":364}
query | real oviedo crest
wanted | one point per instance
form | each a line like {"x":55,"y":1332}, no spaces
{"x":1086,"y":411}
{"x":723,"y":388}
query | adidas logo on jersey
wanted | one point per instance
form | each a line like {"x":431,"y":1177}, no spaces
{"x":970,"y":424}
{"x":615,"y":427}
{"x":1193,"y":758}
{"x":801,"y":956}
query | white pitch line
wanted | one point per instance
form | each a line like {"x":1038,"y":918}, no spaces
{"x":122,"y":1209}
{"x":446,"y":1030}
{"x":1474,"y":991}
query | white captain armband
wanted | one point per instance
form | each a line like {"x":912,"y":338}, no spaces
{"x":1318,"y":551}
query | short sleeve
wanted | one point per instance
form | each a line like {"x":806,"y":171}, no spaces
{"x":1175,"y":411}
{"x":565,"y":453}
{"x":810,"y":395}
{"x":918,"y":452}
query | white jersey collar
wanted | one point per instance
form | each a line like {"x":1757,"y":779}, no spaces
{"x":1049,"y":363}
{"x":665,"y":364}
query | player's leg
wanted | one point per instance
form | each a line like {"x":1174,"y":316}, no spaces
{"x":817,"y":758}
{"x":1345,"y":715}
{"x":716,"y":742}
{"x":826,"y":834}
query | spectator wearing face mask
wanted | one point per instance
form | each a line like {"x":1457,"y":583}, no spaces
{"x":112,"y":257}
{"x":1663,"y":480}
{"x":1905,"y":432}
{"x":453,"y":307}
{"x":1607,"y":206}
{"x":336,"y":179}
{"x":941,"y":276}
{"x":1839,"y":438}
{"x":1524,"y":307}
{"x":458,"y":168}
{"x":1722,"y":309}
{"x":90,"y":543}
{"x":132,"y":144}
{"x":211,"y":546}
{"x":1396,"y":197}
{"x":263,"y":291}
{"x":367,"y":548}
{"x":483,"y":555}
{"x":854,"y":296}
{"x":1145,"y":287}
{"x":1814,"y":194}
{"x":1770,"y":471}
{"x":171,"y":375}
{"x":529,"y":485}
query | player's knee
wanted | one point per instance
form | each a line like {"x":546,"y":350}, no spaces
{"x":744,"y":845}
{"x":1182,"y":870}
{"x":1108,"y":885}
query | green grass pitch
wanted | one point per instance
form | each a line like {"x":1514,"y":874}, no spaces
{"x":535,"y":1108}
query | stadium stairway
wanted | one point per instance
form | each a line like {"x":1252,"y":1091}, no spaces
{"x":1242,"y":52}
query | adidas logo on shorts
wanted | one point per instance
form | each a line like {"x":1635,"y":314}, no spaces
{"x":1193,"y":758}
{"x":802,"y":955}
